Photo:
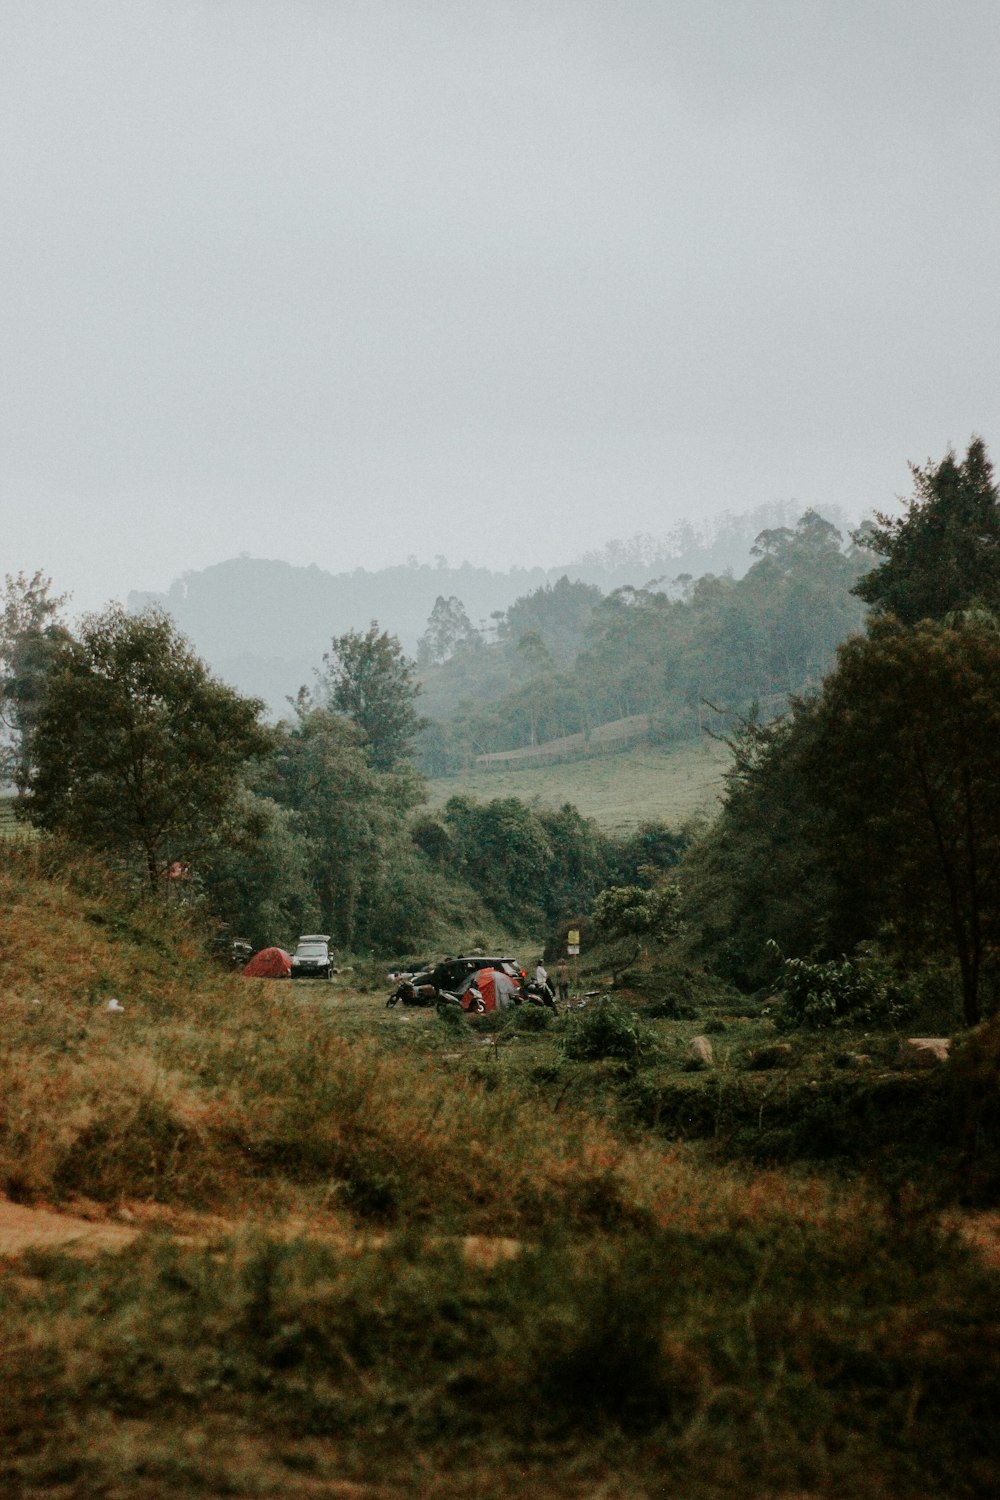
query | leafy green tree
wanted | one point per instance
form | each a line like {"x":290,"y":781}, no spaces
{"x":30,"y":633}
{"x":944,"y":553}
{"x":642,"y":856}
{"x":756,"y":874}
{"x":872,"y":811}
{"x":630,"y":911}
{"x":902,"y":765}
{"x":136,"y":750}
{"x":799,"y":591}
{"x":558,"y":614}
{"x":449,"y":629}
{"x":628,"y":915}
{"x":255,"y":875}
{"x":503,"y":852}
{"x":362,"y":867}
{"x":370,"y":680}
{"x":578,"y":862}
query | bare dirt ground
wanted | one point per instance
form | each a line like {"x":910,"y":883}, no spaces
{"x":23,"y":1228}
{"x":89,"y":1231}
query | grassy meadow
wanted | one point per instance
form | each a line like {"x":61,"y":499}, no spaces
{"x":388,"y":1252}
{"x":8,"y":822}
{"x":620,"y":791}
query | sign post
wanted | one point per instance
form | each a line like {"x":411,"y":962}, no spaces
{"x":573,"y":952}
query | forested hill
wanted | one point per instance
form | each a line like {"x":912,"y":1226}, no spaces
{"x":263,"y":625}
{"x":567,"y":659}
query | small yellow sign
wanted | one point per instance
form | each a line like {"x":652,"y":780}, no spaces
{"x":573,"y":937}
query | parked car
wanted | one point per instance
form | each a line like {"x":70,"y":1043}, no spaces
{"x":451,"y":977}
{"x":311,"y":959}
{"x":233,"y":952}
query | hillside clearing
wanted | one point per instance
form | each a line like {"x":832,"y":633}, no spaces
{"x":672,"y":784}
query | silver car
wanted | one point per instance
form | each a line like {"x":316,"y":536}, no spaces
{"x":311,"y":959}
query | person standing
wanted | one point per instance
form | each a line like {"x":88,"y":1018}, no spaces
{"x":542,"y":985}
{"x":562,"y":981}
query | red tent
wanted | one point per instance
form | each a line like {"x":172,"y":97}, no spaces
{"x":497,"y":989}
{"x":269,"y":963}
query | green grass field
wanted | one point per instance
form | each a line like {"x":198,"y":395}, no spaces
{"x":619,"y":792}
{"x":8,"y":823}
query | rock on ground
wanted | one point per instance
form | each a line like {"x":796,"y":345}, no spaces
{"x":699,"y":1053}
{"x":923,"y":1051}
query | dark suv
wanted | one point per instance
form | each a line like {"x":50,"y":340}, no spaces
{"x":452,"y":976}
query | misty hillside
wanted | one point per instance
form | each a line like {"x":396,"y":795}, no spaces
{"x":263,"y":624}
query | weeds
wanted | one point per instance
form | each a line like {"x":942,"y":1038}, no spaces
{"x":735,"y":1353}
{"x":665,"y":1322}
{"x":609,"y":1029}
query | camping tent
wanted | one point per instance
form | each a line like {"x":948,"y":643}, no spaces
{"x":269,"y":963}
{"x":498,"y":990}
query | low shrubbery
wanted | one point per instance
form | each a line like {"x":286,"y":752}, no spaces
{"x":609,"y":1029}
{"x":856,"y":1354}
{"x":856,"y":990}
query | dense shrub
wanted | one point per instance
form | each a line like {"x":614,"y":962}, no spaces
{"x":826,"y":994}
{"x":609,"y":1029}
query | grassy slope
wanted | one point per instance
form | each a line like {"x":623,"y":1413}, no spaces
{"x":669,"y":1328}
{"x":8,"y":823}
{"x":619,"y":791}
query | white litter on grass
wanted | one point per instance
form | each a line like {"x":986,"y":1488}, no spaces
{"x":115,"y":1004}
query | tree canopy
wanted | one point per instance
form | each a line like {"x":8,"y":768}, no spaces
{"x":352,"y":819}
{"x":30,"y":632}
{"x":902,"y":762}
{"x":369,"y":678}
{"x":872,"y":811}
{"x":944,"y":553}
{"x":136,"y":749}
{"x":567,"y":658}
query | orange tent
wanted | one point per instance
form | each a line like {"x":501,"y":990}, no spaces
{"x":269,"y":963}
{"x":497,"y":989}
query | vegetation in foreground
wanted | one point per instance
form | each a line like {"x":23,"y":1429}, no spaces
{"x":668,"y":1326}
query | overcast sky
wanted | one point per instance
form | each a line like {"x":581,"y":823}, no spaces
{"x":343,"y":282}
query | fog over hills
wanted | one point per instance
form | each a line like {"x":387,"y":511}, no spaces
{"x":263,"y":624}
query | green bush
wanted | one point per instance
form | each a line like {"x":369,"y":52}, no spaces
{"x":839,"y":990}
{"x":609,"y":1029}
{"x":529,"y":1018}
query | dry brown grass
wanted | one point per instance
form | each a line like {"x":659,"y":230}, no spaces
{"x":214,"y":1093}
{"x":667,"y":1328}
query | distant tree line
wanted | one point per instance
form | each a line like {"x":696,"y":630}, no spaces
{"x":566,"y":658}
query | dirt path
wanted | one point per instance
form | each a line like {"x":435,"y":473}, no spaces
{"x":23,"y":1228}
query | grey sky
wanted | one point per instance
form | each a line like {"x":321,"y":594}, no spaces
{"x":341,"y":282}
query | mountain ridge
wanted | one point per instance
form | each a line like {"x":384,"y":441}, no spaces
{"x":263,"y":624}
